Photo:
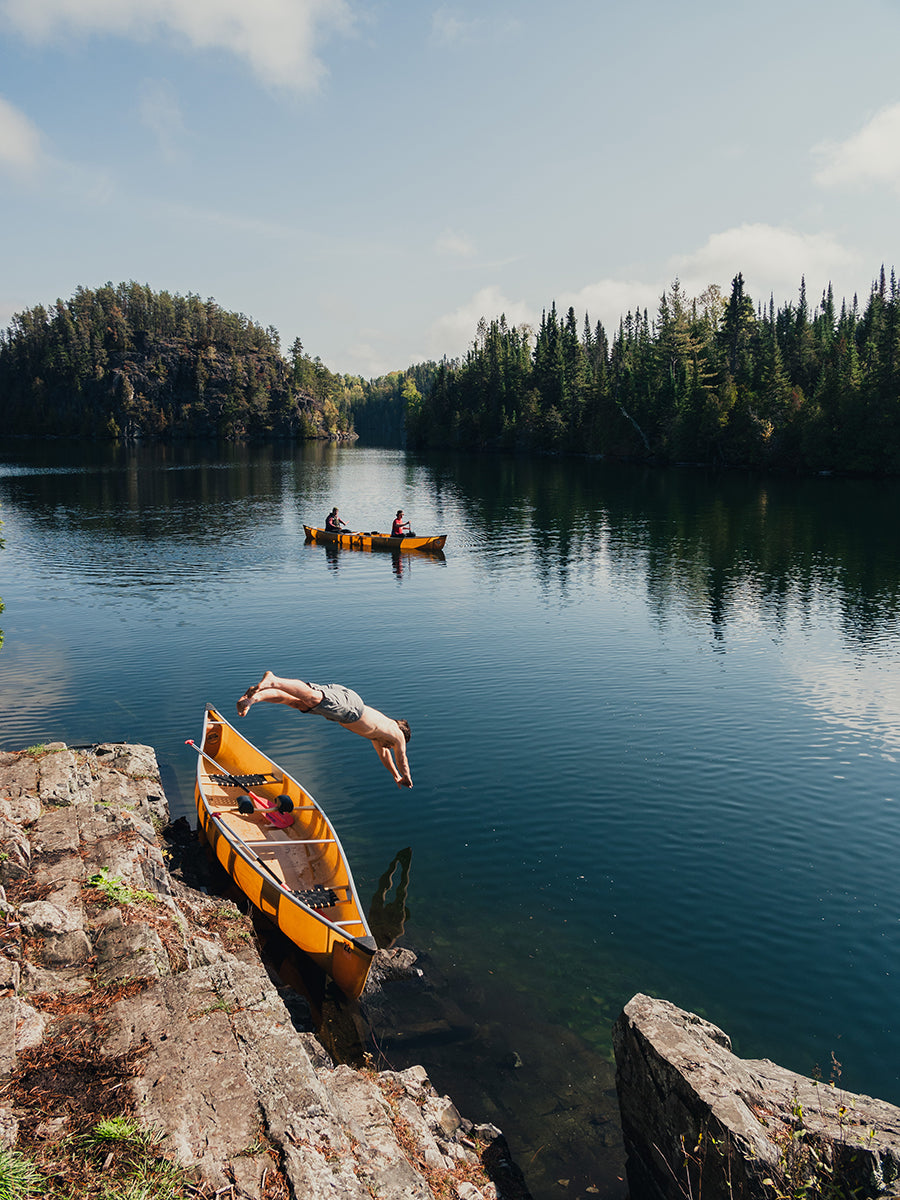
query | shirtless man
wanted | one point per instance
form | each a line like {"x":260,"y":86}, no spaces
{"x":334,"y":702}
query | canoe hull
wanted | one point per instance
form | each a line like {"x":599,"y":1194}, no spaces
{"x":375,"y":541}
{"x":272,"y":864}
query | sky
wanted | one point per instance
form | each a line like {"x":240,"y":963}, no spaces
{"x":374,"y":176}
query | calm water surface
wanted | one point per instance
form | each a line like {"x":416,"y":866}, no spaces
{"x":656,"y":729}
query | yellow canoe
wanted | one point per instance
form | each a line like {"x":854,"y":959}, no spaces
{"x":281,"y":850}
{"x":375,"y":541}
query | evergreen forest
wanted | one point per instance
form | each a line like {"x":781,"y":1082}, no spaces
{"x":718,"y":379}
{"x":715,"y":380}
{"x":126,"y":362}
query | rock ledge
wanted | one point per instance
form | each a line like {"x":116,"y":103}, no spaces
{"x":122,"y":990}
{"x":698,"y":1120}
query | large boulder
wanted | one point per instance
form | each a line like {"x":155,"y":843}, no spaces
{"x":698,"y":1120}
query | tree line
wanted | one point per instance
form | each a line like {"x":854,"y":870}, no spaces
{"x":124,"y":361}
{"x":714,"y":379}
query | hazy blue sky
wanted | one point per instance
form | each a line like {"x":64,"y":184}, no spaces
{"x":373,"y":176}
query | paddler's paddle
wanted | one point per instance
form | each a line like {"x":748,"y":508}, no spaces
{"x":273,"y":815}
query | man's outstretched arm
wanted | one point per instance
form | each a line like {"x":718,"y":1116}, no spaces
{"x":384,"y":753}
{"x":402,"y":761}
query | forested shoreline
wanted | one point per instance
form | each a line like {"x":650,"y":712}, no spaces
{"x":714,"y":380}
{"x":126,"y":362}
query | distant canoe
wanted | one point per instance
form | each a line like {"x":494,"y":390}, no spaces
{"x":281,"y":850}
{"x":375,"y":541}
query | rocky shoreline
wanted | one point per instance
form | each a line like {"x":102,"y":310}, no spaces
{"x":699,"y":1121}
{"x":124,"y":990}
{"x":132,"y":989}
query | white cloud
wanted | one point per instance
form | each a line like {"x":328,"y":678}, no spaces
{"x":448,"y":27}
{"x":771,"y":259}
{"x":161,"y":114}
{"x":276,"y":37}
{"x":454,"y":245}
{"x":370,"y":361}
{"x":609,"y":300}
{"x":870,"y":156}
{"x":454,"y":332}
{"x":19,"y":140}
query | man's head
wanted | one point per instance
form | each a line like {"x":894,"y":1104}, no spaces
{"x":399,"y":512}
{"x":404,"y":729}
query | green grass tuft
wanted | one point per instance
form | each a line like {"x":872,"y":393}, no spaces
{"x":116,"y":890}
{"x":19,"y":1177}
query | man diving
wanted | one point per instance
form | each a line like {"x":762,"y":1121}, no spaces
{"x":337,"y":703}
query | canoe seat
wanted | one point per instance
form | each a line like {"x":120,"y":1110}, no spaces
{"x":243,"y":781}
{"x":318,"y":896}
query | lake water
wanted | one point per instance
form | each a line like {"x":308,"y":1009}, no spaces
{"x":656,"y":731}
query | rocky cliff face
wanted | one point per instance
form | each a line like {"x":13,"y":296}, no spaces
{"x":126,"y":993}
{"x":167,"y":386}
{"x":699,"y":1121}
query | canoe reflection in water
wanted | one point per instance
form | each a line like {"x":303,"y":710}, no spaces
{"x":401,"y":561}
{"x":387,"y":918}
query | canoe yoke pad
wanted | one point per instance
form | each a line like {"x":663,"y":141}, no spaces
{"x":241,"y":781}
{"x":318,"y":896}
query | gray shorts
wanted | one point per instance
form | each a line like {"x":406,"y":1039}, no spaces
{"x":338,"y":703}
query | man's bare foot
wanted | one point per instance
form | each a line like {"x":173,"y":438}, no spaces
{"x":249,"y":697}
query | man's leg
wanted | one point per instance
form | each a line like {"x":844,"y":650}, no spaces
{"x":273,"y":690}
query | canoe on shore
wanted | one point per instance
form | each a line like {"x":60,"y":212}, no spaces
{"x":375,"y":541}
{"x":281,"y":850}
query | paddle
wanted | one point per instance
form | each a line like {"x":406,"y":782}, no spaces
{"x":279,"y":819}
